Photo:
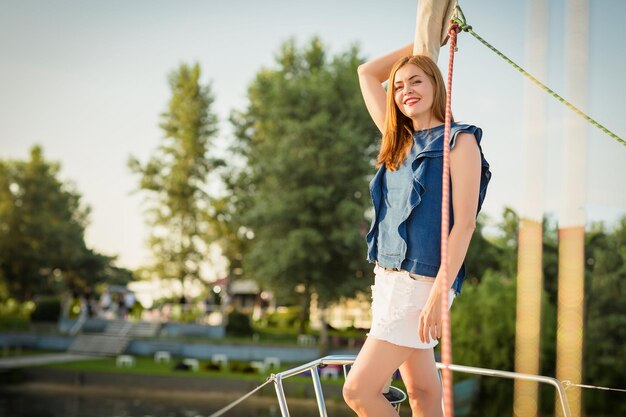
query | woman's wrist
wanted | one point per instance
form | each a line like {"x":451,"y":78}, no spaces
{"x":435,"y":291}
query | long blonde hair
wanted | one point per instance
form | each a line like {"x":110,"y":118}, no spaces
{"x":398,"y":135}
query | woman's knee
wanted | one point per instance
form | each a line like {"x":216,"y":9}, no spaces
{"x":354,"y":393}
{"x":350,"y":393}
{"x":424,"y":390}
{"x":421,"y":394}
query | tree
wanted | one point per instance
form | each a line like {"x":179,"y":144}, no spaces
{"x":479,"y":340}
{"x":605,"y":316}
{"x":175,"y":179}
{"x":482,"y":253}
{"x":42,"y":226}
{"x":230,"y":234}
{"x":309,"y":144}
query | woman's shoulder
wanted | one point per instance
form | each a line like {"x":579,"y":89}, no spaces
{"x":462,"y":127}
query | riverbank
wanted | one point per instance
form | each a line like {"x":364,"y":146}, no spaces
{"x":221,"y":399}
{"x":196,"y":386}
{"x":245,"y":350}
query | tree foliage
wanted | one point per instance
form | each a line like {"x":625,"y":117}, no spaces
{"x":483,"y":317}
{"x":42,"y":226}
{"x":605,"y":315}
{"x":308,"y":145}
{"x":174,"y":179}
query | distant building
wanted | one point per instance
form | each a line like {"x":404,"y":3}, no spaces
{"x":245,"y":294}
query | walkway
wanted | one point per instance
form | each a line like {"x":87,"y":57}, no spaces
{"x":35,"y":360}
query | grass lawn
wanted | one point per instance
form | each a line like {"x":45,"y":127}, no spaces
{"x":145,"y":366}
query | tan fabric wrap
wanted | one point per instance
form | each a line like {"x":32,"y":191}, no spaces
{"x":431,"y":30}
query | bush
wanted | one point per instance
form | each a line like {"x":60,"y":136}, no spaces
{"x":284,"y":318}
{"x":10,"y":308}
{"x":239,"y":324}
{"x":241,"y":367}
{"x":213,"y":366}
{"x":47,"y":309}
{"x":13,"y":323}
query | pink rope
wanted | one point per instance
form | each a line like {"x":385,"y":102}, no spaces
{"x":446,"y":342}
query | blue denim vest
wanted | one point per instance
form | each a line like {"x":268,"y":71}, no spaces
{"x":406,"y":228}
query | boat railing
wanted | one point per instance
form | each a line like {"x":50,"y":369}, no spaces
{"x":345,"y":360}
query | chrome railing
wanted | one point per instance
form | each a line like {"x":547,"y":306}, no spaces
{"x":345,"y":360}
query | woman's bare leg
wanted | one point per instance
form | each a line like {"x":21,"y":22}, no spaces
{"x":372,"y":368}
{"x":420,"y":376}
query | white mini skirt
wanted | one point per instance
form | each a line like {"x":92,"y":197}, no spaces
{"x":397,"y":301}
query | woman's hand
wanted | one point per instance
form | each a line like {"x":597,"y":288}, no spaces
{"x":430,"y":317}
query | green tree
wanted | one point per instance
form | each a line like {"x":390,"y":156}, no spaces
{"x":308,"y":144}
{"x":482,"y":253}
{"x":175,"y":179}
{"x":42,"y":226}
{"x":479,"y":339}
{"x":605,"y":316}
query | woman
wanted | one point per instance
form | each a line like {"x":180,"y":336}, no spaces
{"x":404,"y":238}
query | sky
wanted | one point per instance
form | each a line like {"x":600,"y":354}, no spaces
{"x":87,"y":80}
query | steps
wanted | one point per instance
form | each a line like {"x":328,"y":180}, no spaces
{"x":101,"y":345}
{"x":114,"y":340}
{"x":144,"y":329}
{"x":126,"y":328}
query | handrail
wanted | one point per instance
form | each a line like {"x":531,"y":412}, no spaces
{"x":76,"y":327}
{"x":349,"y":359}
{"x":125,"y":329}
{"x":515,"y":375}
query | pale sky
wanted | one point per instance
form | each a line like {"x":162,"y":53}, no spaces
{"x":87,"y":80}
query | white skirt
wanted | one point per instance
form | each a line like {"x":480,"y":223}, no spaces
{"x":397,"y":301}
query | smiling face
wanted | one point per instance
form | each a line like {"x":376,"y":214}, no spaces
{"x":413,"y":91}
{"x":416,"y":100}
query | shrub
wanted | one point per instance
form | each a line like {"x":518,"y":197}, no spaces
{"x":239,"y":324}
{"x":212,"y":366}
{"x":47,"y":309}
{"x":283,"y":318}
{"x":241,"y":366}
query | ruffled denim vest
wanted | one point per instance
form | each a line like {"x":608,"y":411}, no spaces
{"x":406,"y":228}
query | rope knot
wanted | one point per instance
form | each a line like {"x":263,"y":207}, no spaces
{"x":460,"y":25}
{"x":459,"y":19}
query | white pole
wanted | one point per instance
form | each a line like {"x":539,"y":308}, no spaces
{"x":529,"y":269}
{"x":534,"y":111}
{"x":572,"y":213}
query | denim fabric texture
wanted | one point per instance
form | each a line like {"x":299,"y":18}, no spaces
{"x":405,"y":231}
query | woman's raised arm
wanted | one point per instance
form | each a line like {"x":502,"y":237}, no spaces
{"x":432,"y":21}
{"x":371,"y":76}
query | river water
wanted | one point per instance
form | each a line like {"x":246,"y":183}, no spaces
{"x":38,"y":403}
{"x":47,"y":404}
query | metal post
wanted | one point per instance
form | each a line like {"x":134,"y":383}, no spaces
{"x":319,"y":394}
{"x":280,"y":394}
